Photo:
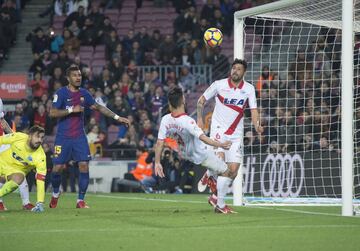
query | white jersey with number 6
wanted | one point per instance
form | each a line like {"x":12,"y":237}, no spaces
{"x":231,"y":101}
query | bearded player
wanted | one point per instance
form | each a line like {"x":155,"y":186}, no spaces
{"x":71,"y":143}
{"x":232,"y":95}
{"x":23,"y":188}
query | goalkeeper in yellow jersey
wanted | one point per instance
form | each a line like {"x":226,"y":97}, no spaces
{"x":25,"y":153}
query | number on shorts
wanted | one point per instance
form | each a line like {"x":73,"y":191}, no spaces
{"x":57,"y":149}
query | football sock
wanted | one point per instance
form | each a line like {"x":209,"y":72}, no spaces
{"x":55,"y":182}
{"x":8,"y":187}
{"x":83,"y":185}
{"x":24,"y":192}
{"x":222,"y":189}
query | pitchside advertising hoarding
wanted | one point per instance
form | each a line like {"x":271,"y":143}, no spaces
{"x":13,"y":86}
{"x":314,"y":173}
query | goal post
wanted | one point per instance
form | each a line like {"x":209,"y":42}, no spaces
{"x":276,"y":36}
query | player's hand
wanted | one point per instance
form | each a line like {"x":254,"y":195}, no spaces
{"x":124,"y":121}
{"x":200,"y":123}
{"x":159,"y":170}
{"x":226,"y":145}
{"x":39,"y":208}
{"x":78,"y":108}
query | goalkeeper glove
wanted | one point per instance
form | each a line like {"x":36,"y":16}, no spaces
{"x":38,"y":208}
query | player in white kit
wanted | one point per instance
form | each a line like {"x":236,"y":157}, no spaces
{"x":23,"y":188}
{"x":193,"y":144}
{"x":232,"y":95}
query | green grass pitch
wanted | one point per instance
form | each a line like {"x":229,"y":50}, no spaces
{"x":172,"y":222}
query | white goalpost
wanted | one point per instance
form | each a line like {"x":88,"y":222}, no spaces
{"x":302,"y":62}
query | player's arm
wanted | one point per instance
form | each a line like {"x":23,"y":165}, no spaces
{"x":226,"y":145}
{"x":254,"y":112}
{"x":10,"y":138}
{"x":108,"y":113}
{"x":209,"y":93}
{"x":256,"y":121}
{"x":59,"y":113}
{"x":5,"y":126}
{"x":158,"y":151}
{"x":199,"y":111}
{"x":40,"y":179}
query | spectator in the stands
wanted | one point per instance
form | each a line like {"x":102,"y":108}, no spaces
{"x":167,"y":51}
{"x":111,"y":40}
{"x":144,"y":39}
{"x":81,"y":4}
{"x":96,"y":17}
{"x":155,"y":40}
{"x":219,"y":62}
{"x":128,"y":41}
{"x":71,"y":42}
{"x":104,"y":79}
{"x":79,"y":16}
{"x":40,"y":41}
{"x":116,"y":68}
{"x":121,"y":54}
{"x":37,"y":64}
{"x":88,"y":34}
{"x":56,"y":41}
{"x":39,"y":86}
{"x":62,"y":61}
{"x":56,"y":77}
{"x":137,"y":53}
{"x":81,"y":65}
{"x":207,"y":11}
{"x":187,"y":79}
{"x":40,"y":116}
{"x":63,"y":7}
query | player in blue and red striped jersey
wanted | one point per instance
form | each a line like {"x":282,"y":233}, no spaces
{"x":69,"y":103}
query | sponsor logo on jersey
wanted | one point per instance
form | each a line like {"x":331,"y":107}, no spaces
{"x":233,"y":101}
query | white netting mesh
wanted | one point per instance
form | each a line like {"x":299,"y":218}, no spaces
{"x":294,"y":57}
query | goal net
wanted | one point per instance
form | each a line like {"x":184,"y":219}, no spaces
{"x":294,"y":56}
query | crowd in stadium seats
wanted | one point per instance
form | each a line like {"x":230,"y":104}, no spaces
{"x":91,"y":34}
{"x":10,"y":15}
{"x":308,"y":116}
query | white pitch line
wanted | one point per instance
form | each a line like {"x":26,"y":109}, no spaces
{"x":201,"y":202}
{"x":212,"y":228}
{"x":147,"y":199}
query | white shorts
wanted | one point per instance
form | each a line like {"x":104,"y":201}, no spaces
{"x":235,"y":153}
{"x":214,"y":163}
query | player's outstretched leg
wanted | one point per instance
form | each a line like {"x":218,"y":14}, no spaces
{"x":55,"y":182}
{"x":83,"y":184}
{"x":223,"y":184}
{"x":24,"y":194}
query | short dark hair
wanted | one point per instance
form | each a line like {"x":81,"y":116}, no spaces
{"x":71,"y":68}
{"x":175,"y":96}
{"x":36,"y":129}
{"x":240,"y":61}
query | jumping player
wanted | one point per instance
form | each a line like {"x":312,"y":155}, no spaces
{"x":193,"y":144}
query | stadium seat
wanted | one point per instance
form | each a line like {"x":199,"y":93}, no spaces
{"x":99,"y":55}
{"x":84,"y":48}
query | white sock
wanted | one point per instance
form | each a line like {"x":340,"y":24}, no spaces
{"x":24,"y":192}
{"x":222,"y":189}
{"x":56,"y":195}
{"x":1,"y":184}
